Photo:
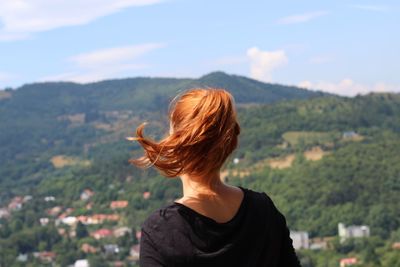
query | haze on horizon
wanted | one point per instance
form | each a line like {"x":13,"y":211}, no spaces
{"x":342,"y":47}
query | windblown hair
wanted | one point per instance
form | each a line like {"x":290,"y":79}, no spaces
{"x":204,"y":132}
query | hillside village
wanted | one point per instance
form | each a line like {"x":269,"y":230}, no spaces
{"x":104,"y":228}
{"x":96,"y":226}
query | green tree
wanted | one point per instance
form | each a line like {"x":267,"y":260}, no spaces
{"x":81,"y":230}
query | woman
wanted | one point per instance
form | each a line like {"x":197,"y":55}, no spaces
{"x":213,"y":224}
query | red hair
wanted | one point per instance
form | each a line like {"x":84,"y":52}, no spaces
{"x":204,"y":132}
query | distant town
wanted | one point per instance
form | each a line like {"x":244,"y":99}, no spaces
{"x":70,"y":226}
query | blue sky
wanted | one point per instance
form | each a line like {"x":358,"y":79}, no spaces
{"x":342,"y":46}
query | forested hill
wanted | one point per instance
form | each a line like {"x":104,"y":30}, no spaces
{"x":41,"y":120}
{"x":138,"y":94}
{"x":326,"y":160}
{"x":323,"y":159}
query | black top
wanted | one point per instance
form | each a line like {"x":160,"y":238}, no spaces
{"x":256,"y":236}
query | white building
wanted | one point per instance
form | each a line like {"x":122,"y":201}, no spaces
{"x":86,"y":194}
{"x":352,"y":231}
{"x":70,"y":220}
{"x":44,"y":221}
{"x":300,"y":239}
{"x":82,"y":263}
{"x":49,"y":198}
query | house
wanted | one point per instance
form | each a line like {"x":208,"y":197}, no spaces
{"x":49,"y":198}
{"x":44,"y":221}
{"x":134,"y":252}
{"x":112,"y":217}
{"x":70,"y":220}
{"x":45,"y":256}
{"x":100,"y":218}
{"x":300,"y":239}
{"x":14,"y":206}
{"x":111,"y":249}
{"x":83,"y":219}
{"x":22,"y":257}
{"x":321,"y":243}
{"x":65,"y":214}
{"x":54,"y":211}
{"x":348,"y":262}
{"x":353,"y":231}
{"x":87,"y":248}
{"x":68,"y":211}
{"x":349,"y":134}
{"x":62,"y":231}
{"x":89,"y":206}
{"x":95,"y":219}
{"x":86,"y":194}
{"x":121,"y":231}
{"x":146,"y":195}
{"x":27,"y":198}
{"x":16,"y":203}
{"x":396,"y":245}
{"x":82,"y":263}
{"x":119,"y":204}
{"x":102,"y":233}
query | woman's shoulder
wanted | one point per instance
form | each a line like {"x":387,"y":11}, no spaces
{"x":167,"y":230}
{"x":162,"y":218}
{"x":176,"y":217}
{"x":257,"y":198}
{"x":261,"y":204}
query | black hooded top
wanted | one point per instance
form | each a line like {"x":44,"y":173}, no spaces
{"x":257,"y":235}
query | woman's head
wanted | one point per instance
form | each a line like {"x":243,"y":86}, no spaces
{"x":204,"y":132}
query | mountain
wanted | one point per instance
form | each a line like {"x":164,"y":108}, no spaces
{"x":141,"y":93}
{"x":41,"y":120}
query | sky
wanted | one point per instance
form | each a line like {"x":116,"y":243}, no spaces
{"x":340,"y":46}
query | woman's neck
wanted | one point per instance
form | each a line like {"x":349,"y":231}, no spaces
{"x":218,"y":201}
{"x":195,"y":187}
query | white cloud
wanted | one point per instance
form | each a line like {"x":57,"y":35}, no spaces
{"x":306,"y":84}
{"x":95,"y":74}
{"x":105,"y":63}
{"x":347,"y":87}
{"x":262,"y":63}
{"x":371,"y":7}
{"x":21,"y":18}
{"x":300,"y":18}
{"x":111,"y":56}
